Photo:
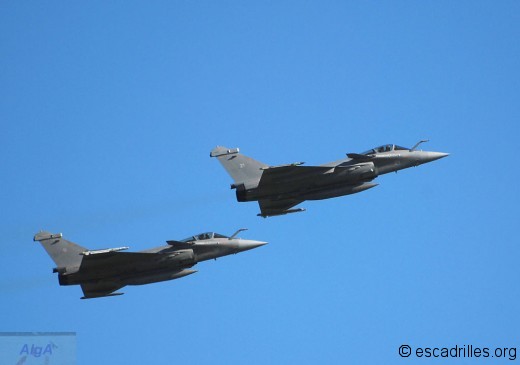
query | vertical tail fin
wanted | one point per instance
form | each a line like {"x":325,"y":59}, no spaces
{"x":243,"y":169}
{"x":64,"y":253}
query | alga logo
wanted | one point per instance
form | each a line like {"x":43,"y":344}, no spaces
{"x":38,"y":351}
{"x":37,"y":348}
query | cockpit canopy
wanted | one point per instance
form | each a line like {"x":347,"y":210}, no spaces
{"x":204,"y":236}
{"x":385,"y":148}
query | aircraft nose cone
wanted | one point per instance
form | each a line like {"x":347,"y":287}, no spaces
{"x":245,"y":245}
{"x":432,"y":156}
{"x":437,"y":155}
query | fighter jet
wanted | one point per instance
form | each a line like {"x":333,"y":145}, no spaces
{"x":279,"y":188}
{"x":101,"y":272}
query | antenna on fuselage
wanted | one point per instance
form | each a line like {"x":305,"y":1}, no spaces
{"x":418,"y":143}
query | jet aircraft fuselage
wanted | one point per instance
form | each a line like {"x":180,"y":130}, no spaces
{"x":101,"y":272}
{"x":279,"y":188}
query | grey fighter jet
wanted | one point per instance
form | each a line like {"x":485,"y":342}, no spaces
{"x":279,"y":188}
{"x":101,"y":272}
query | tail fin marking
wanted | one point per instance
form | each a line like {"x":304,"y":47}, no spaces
{"x":64,"y":253}
{"x":244,"y":170}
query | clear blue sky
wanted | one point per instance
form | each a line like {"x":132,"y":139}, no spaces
{"x":108,"y":114}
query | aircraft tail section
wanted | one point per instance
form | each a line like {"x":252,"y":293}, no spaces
{"x":64,"y":253}
{"x":244,"y":170}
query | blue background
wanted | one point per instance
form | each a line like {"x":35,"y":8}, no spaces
{"x":108,"y":114}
